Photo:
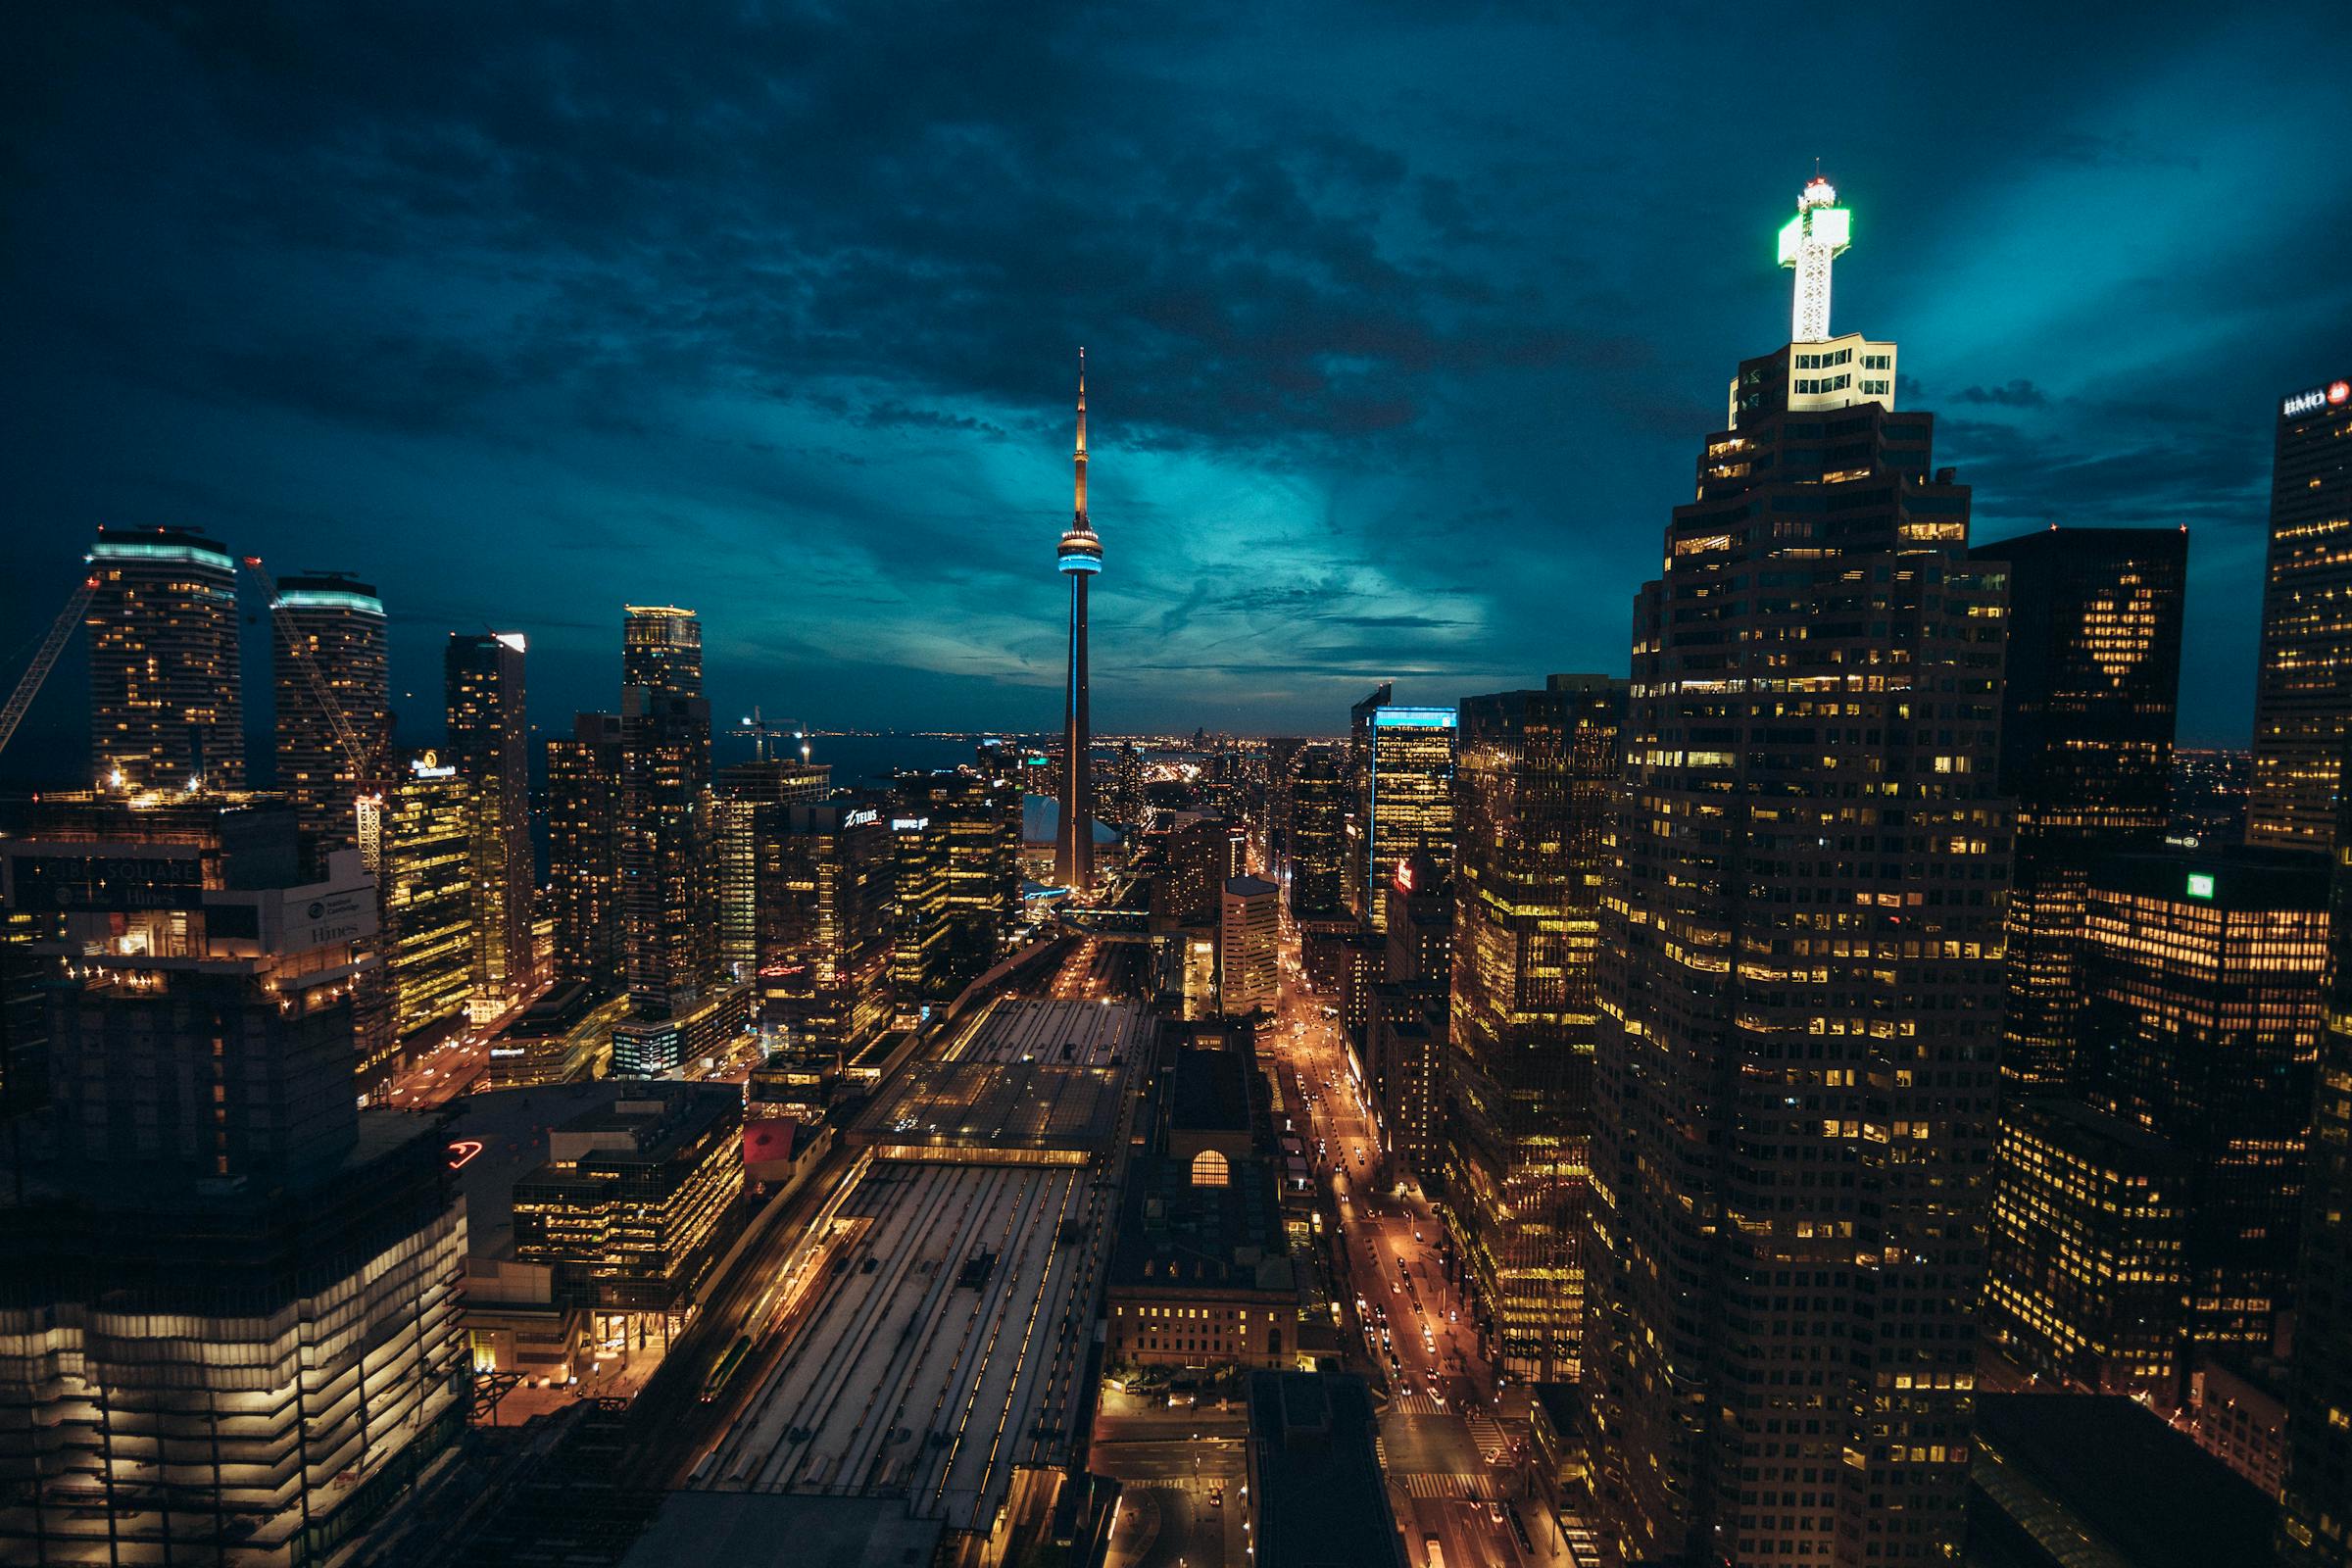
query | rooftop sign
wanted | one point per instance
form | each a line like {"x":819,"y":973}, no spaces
{"x":2335,"y":394}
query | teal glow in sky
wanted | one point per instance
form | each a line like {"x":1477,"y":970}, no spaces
{"x":1403,"y":335}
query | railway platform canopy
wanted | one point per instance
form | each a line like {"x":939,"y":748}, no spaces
{"x":941,"y":1360}
{"x":1039,"y":1083}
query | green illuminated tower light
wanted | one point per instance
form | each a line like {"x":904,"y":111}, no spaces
{"x":1817,"y":235}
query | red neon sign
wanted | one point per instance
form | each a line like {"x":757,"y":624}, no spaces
{"x":462,"y":1152}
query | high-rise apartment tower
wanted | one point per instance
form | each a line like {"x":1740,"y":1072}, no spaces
{"x":167,"y":705}
{"x":339,"y":624}
{"x":489,"y":744}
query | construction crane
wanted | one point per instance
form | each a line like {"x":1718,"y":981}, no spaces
{"x":361,"y":756}
{"x":44,"y":657}
{"x":764,"y":734}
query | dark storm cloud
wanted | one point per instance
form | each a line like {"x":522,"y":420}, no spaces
{"x":1402,"y":334}
{"x":2019,"y":394}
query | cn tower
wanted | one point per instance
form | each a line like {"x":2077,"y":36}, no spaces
{"x":1079,"y":558}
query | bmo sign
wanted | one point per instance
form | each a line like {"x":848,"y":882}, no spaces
{"x":2335,"y":394}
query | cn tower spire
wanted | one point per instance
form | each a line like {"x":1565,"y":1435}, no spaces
{"x":1079,"y":558}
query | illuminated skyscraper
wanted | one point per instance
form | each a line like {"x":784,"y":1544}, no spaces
{"x":2303,"y":684}
{"x":2315,"y":1523}
{"x":956,"y":868}
{"x":2088,"y":1268}
{"x":583,"y":851}
{"x":229,"y":1319}
{"x":2093,"y":681}
{"x":489,"y":742}
{"x":1799,"y":994}
{"x":1318,"y":832}
{"x":341,"y":625}
{"x":2151,"y":1213}
{"x":1079,"y":558}
{"x":165,"y":701}
{"x":669,"y":843}
{"x":1535,"y":779}
{"x":1357,"y":884}
{"x":751,"y":816}
{"x":1204,"y":853}
{"x":1405,"y":1013}
{"x":1249,"y":959}
{"x":1408,"y":798}
{"x":427,"y":867}
{"x":2204,"y":1000}
{"x":820,"y":886}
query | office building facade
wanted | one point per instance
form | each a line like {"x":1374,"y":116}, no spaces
{"x":489,"y":744}
{"x":1535,"y":774}
{"x":2303,"y":683}
{"x":426,"y":878}
{"x":1790,"y":1148}
{"x":2315,"y":1525}
{"x":753,"y":803}
{"x":583,"y":851}
{"x":1248,"y":954}
{"x":2093,"y":680}
{"x":1357,"y":891}
{"x":167,"y":699}
{"x":956,"y":867}
{"x":818,"y":936}
{"x":1406,"y":1014}
{"x":2088,"y":1250}
{"x":1406,"y":798}
{"x":1316,"y":842}
{"x":669,"y":843}
{"x":627,"y":1210}
{"x":2204,"y":1003}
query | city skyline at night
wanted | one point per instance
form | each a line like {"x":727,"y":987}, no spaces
{"x":1689,"y":904}
{"x":1389,"y":383}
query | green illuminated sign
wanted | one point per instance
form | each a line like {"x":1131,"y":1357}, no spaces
{"x":2200,"y":884}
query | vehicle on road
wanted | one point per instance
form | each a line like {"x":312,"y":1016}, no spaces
{"x":1432,"y":1553}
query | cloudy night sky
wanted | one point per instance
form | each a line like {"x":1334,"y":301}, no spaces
{"x":1404,"y":334}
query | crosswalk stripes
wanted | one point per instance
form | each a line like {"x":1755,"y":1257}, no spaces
{"x":1419,"y":1405}
{"x":1488,"y":1434}
{"x":1450,"y":1484}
